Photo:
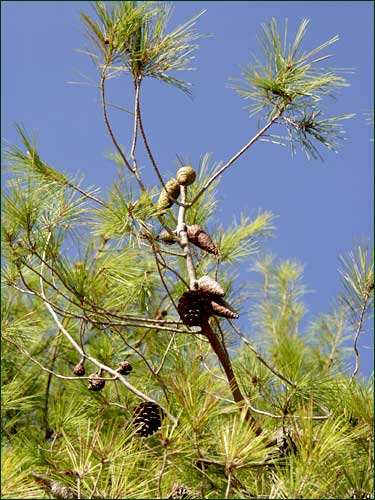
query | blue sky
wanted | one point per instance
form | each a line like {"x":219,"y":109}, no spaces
{"x":321,"y":208}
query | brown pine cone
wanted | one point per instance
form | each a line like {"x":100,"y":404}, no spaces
{"x":223,"y":309}
{"x":148,"y":417}
{"x":95,"y":383}
{"x":125,"y":368}
{"x":194,"y":307}
{"x":201,"y":239}
{"x":79,"y":369}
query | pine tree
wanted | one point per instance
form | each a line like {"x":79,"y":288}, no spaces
{"x":125,"y":374}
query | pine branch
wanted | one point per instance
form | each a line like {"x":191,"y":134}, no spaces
{"x":235,"y":157}
{"x":152,"y":159}
{"x":107,"y":123}
{"x":90,"y":358}
{"x":137,"y":85}
{"x":356,"y":336}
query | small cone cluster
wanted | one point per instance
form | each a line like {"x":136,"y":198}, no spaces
{"x":201,"y":239}
{"x":195,"y":307}
{"x":148,"y":417}
{"x":172,"y":188}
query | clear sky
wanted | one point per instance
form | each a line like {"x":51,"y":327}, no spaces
{"x":321,"y":208}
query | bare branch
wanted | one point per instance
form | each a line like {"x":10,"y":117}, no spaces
{"x":137,"y":85}
{"x":234,"y":158}
{"x":109,"y":128}
{"x":150,"y":155}
{"x":229,"y":482}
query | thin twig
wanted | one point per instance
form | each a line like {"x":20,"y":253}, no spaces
{"x":109,"y":128}
{"x":78,"y":487}
{"x":169,"y":252}
{"x":357,"y":333}
{"x":30,"y":292}
{"x":276,"y":373}
{"x":262,"y":360}
{"x":169,"y":268}
{"x":53,"y":360}
{"x":291,"y":122}
{"x":84,"y":299}
{"x":215,"y":375}
{"x":281,"y":417}
{"x":155,"y":374}
{"x":109,"y":323}
{"x":102,"y":310}
{"x":48,"y":370}
{"x":235,"y":157}
{"x":165,"y":354}
{"x":162,"y":277}
{"x":87,"y":195}
{"x":161,"y":472}
{"x":335,"y":343}
{"x":137,"y":85}
{"x":229,"y":481}
{"x":93,"y":492}
{"x":150,"y":155}
{"x":119,"y":405}
{"x":138,"y":321}
{"x":61,"y":311}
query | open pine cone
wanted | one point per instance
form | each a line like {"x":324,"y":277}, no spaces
{"x":223,"y":309}
{"x":195,"y":307}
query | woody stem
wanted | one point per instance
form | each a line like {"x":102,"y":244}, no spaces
{"x":224,"y":359}
{"x":184,"y":242}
